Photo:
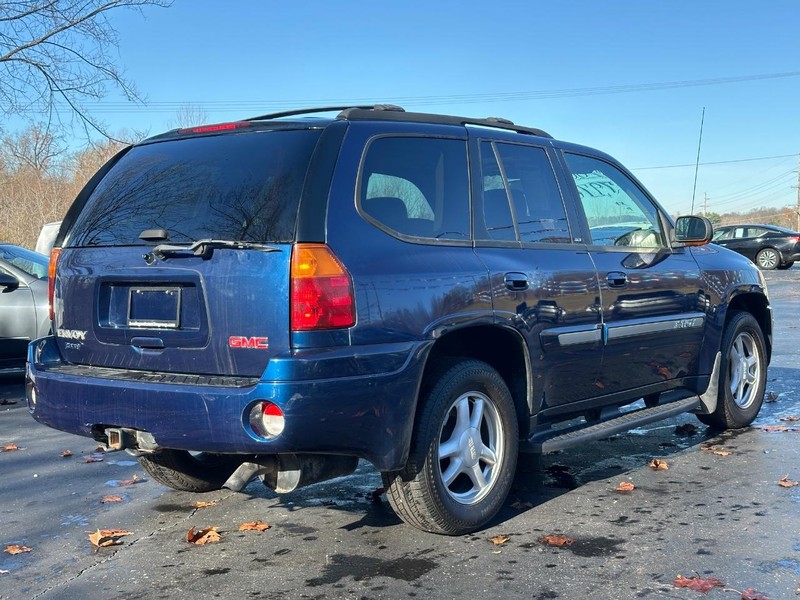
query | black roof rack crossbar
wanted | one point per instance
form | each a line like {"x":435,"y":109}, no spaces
{"x":360,"y":113}
{"x":310,"y":111}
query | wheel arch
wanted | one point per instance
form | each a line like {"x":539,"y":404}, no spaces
{"x":501,"y":348}
{"x":757,"y":305}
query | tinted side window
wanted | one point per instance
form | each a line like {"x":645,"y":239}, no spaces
{"x":417,"y":186}
{"x":755,"y":232}
{"x":243,"y":187}
{"x":497,"y":215}
{"x":538,"y":209}
{"x":618,"y":212}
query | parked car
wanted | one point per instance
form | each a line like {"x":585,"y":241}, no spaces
{"x":47,"y":237}
{"x":769,"y":246}
{"x":282,"y":296}
{"x":24,"y":314}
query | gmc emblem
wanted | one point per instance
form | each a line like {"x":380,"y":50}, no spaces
{"x":240,"y":341}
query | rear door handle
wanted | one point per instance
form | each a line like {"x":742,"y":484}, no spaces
{"x":517,"y":282}
{"x":617,"y":279}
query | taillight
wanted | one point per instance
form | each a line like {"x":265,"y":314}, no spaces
{"x":794,"y":238}
{"x":322,"y":291}
{"x":215,"y":128}
{"x":267,"y":419}
{"x":51,"y":279}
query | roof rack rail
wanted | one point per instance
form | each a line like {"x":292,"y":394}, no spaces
{"x":357,"y":113}
{"x":309,"y":111}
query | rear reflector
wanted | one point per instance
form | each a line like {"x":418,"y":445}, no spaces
{"x":322,"y":291}
{"x":51,"y":279}
{"x":267,"y":420}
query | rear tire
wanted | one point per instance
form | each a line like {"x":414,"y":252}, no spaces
{"x":743,"y":375}
{"x":463,"y":451}
{"x":768,"y":259}
{"x":186,"y":472}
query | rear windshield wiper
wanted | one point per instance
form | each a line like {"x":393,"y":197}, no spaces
{"x":205,"y":248}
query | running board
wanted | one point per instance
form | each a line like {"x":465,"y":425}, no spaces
{"x":548,"y":441}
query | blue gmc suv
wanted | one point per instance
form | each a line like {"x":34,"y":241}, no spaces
{"x":281,"y":296}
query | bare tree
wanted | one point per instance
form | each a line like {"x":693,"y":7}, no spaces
{"x":55,"y":55}
{"x":188,"y":115}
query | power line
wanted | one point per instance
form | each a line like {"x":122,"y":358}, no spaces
{"x":718,"y":162}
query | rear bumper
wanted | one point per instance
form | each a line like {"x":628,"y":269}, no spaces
{"x":370,"y":415}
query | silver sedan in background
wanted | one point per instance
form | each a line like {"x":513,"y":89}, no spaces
{"x":24,"y":311}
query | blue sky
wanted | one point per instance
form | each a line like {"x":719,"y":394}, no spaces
{"x":543,"y":64}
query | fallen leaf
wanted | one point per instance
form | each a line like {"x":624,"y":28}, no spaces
{"x":685,"y":429}
{"x":17,"y":549}
{"x":208,"y":535}
{"x":751,"y":594}
{"x":66,"y":453}
{"x":624,"y":486}
{"x":11,"y":447}
{"x":771,"y":397}
{"x":201,"y":503}
{"x":790,"y":419}
{"x":102,"y":538}
{"x":375,"y":495}
{"x":698,"y":584}
{"x":556,"y":540}
{"x":95,"y":457}
{"x":499,"y":540}
{"x":133,"y":480}
{"x":658,"y":465}
{"x":254,"y":526}
{"x":715,"y":450}
{"x":774,"y":428}
{"x":110,"y":499}
{"x":599,"y":384}
{"x":786,"y":482}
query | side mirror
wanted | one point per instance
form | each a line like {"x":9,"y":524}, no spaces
{"x":8,"y":282}
{"x":693,"y":230}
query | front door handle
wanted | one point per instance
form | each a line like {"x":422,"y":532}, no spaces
{"x":517,"y":282}
{"x":617,"y":279}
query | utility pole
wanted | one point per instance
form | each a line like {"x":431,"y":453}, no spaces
{"x":797,"y":208}
{"x":705,"y":204}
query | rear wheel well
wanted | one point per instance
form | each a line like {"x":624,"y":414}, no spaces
{"x":502,"y":349}
{"x":758,"y":306}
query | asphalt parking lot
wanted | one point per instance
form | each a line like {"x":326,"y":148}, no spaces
{"x":718,"y":512}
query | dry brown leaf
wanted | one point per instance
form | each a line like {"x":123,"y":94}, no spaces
{"x":790,"y":419}
{"x":599,"y":384}
{"x":66,"y":453}
{"x":93,"y":458}
{"x":751,"y":594}
{"x":208,"y":535}
{"x":133,"y":480}
{"x":786,"y":482}
{"x":204,"y":504}
{"x":774,"y":428}
{"x":658,"y":465}
{"x":556,"y":540}
{"x":254,"y":526}
{"x":715,"y":450}
{"x":17,"y":549}
{"x":499,"y":540}
{"x":698,"y":584}
{"x":110,"y":499}
{"x":625,"y":486}
{"x":11,"y":447}
{"x":102,"y":538}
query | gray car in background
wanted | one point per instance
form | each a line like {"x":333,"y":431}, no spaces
{"x":24,"y":312}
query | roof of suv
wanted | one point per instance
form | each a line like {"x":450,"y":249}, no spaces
{"x":380,"y":112}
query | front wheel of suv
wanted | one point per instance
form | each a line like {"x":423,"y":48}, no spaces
{"x":742,"y":379}
{"x":463,"y":451}
{"x":190,"y":472}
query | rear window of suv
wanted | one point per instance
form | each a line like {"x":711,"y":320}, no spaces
{"x":243,"y":187}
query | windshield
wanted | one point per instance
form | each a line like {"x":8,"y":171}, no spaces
{"x":32,"y":263}
{"x":242,"y":187}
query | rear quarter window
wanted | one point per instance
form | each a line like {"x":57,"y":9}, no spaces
{"x":242,"y":187}
{"x":417,"y":187}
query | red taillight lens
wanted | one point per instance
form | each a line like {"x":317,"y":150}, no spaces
{"x":215,"y":128}
{"x":51,"y":279}
{"x":322,"y":291}
{"x":267,"y":419}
